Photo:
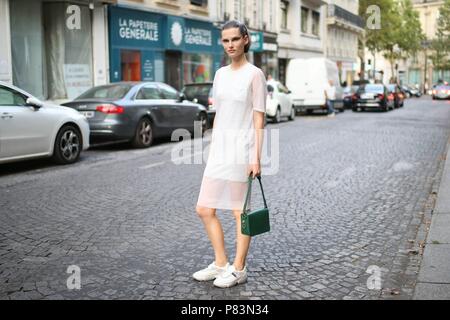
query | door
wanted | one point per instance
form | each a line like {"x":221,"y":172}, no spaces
{"x":184,"y":114}
{"x":150,"y":97}
{"x":130,"y":61}
{"x":24,"y":129}
{"x":173,"y":69}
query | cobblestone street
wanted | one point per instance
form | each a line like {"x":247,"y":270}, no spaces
{"x":352,"y":191}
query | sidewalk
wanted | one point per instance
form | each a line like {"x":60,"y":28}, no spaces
{"x":434,"y":277}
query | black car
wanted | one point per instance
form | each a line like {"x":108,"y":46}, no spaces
{"x":137,"y":112}
{"x":399,"y":96}
{"x":201,"y":93}
{"x":370,"y":96}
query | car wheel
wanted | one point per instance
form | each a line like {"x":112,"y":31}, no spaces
{"x":277,"y":117}
{"x":292,"y":115}
{"x":68,"y":145}
{"x":143,"y":137}
{"x":203,"y":119}
{"x":355,"y":109}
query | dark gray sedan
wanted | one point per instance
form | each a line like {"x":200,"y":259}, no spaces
{"x":137,"y":112}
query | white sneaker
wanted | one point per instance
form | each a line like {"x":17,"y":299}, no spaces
{"x":210,"y":273}
{"x":231,"y":277}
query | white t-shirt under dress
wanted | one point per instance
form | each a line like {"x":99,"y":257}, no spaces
{"x":236,"y":94}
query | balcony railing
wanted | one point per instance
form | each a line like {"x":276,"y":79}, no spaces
{"x":340,"y":13}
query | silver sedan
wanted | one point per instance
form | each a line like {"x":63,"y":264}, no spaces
{"x":30,"y":128}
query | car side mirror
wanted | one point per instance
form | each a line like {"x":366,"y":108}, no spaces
{"x":289,"y":91}
{"x":33,"y":102}
{"x":181,"y":97}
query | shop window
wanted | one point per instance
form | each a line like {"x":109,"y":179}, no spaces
{"x":130,"y":61}
{"x":197,"y":68}
{"x":27,"y":39}
{"x":68,"y":51}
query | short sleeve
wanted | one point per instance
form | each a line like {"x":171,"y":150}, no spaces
{"x":214,"y":90}
{"x":259,"y":91}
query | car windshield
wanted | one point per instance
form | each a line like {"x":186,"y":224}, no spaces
{"x":113,"y":92}
{"x":373,"y":88}
{"x":195,"y":91}
{"x":442,"y":87}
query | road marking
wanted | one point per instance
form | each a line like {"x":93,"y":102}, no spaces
{"x":152,"y":165}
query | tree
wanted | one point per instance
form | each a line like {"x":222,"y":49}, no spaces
{"x":406,"y":34}
{"x":440,"y":45}
{"x":400,"y":33}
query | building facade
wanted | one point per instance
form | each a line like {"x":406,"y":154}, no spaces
{"x":420,"y":68}
{"x":344,"y":26}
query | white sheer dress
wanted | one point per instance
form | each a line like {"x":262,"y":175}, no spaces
{"x":236,"y":94}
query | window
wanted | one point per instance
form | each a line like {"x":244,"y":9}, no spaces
{"x":315,"y":22}
{"x":197,"y":67}
{"x":113,"y":92}
{"x":200,"y":3}
{"x":11,"y":98}
{"x":284,"y":14}
{"x":304,"y":17}
{"x":168,"y":92}
{"x":149,"y":92}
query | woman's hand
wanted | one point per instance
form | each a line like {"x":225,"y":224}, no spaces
{"x":254,"y":169}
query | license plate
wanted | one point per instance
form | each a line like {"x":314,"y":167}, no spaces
{"x":87,"y":114}
{"x":367,"y":96}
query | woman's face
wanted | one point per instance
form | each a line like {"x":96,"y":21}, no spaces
{"x":233,"y":42}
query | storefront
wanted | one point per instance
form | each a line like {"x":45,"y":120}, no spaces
{"x":264,"y":53}
{"x":52,"y":47}
{"x":149,"y":46}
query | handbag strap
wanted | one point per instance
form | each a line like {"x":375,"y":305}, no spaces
{"x":249,"y":191}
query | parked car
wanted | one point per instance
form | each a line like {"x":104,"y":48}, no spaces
{"x":399,"y":98}
{"x":412,"y":91}
{"x":347,"y":95}
{"x":370,"y":96}
{"x":137,"y":112}
{"x":279,"y":102}
{"x":30,"y":128}
{"x":308,"y":78}
{"x":201,"y":93}
{"x":441,"y":92}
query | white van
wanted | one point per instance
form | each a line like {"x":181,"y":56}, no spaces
{"x":308,"y":78}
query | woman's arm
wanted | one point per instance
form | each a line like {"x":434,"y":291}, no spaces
{"x":258,"y":120}
{"x":259,"y":91}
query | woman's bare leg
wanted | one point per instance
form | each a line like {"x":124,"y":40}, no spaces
{"x":242,"y":243}
{"x":215,"y":233}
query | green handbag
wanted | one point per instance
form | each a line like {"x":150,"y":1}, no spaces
{"x":257,"y":221}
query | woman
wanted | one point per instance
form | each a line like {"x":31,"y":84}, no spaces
{"x":239,"y":95}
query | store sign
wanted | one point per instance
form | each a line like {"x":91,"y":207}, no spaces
{"x":201,"y":37}
{"x":77,"y":78}
{"x":135,"y":28}
{"x":138,"y":30}
{"x":257,"y":41}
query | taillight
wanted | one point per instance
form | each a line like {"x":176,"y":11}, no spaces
{"x":109,"y":108}
{"x":380,"y":96}
{"x":210,"y":101}
{"x":434,"y":91}
{"x":355,"y":96}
